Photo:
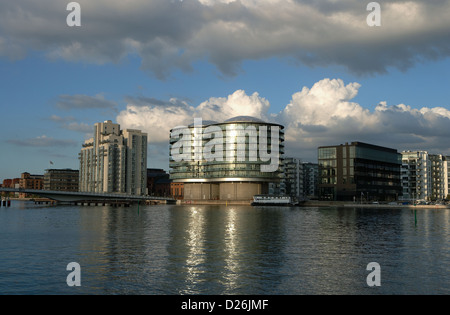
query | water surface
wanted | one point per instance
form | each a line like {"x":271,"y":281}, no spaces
{"x":172,"y":249}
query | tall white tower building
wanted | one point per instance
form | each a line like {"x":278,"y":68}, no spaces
{"x":114,"y":161}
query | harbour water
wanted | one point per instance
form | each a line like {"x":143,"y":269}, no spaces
{"x":174,"y":249}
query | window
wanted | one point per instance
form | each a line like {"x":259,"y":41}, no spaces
{"x":327,"y":153}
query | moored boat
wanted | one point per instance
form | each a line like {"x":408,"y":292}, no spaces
{"x":271,"y":200}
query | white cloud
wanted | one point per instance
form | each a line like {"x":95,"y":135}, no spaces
{"x":236,"y":104}
{"x":323,"y":114}
{"x":156,"y":120}
{"x":157,"y":117}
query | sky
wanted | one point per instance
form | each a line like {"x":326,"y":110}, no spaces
{"x":316,"y":67}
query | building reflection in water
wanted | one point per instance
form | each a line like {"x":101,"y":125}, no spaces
{"x":231,"y":240}
{"x":195,"y":249}
{"x":224,"y":250}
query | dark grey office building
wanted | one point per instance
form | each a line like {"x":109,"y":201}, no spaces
{"x":359,"y":172}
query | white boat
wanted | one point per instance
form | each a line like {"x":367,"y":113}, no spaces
{"x":276,"y":200}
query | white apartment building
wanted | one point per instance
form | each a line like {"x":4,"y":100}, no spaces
{"x":439,"y":177}
{"x":448,"y":176}
{"x":424,"y":176}
{"x":114,"y":161}
{"x":415,"y":175}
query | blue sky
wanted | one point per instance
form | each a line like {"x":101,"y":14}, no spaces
{"x":57,"y":81}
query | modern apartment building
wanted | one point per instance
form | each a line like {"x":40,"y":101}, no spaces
{"x":448,"y":177}
{"x":439,"y":177}
{"x":299,"y":179}
{"x":359,"y":171}
{"x":292,"y":178}
{"x":416,"y":176}
{"x":310,"y":180}
{"x":424,"y":176}
{"x":114,"y":161}
{"x":231,"y":160}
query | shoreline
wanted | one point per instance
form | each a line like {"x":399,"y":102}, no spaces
{"x":368,"y":205}
{"x":314,"y":203}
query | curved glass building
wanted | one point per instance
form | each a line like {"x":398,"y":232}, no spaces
{"x":231,"y":160}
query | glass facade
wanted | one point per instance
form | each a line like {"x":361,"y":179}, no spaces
{"x":359,"y":171}
{"x":239,"y":149}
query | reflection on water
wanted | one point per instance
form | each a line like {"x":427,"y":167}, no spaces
{"x":223,"y":250}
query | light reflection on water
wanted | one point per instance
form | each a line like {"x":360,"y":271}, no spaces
{"x":222,"y":250}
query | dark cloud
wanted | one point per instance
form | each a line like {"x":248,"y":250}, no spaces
{"x":170,"y":35}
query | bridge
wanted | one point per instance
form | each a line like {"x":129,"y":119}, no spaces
{"x":79,"y":196}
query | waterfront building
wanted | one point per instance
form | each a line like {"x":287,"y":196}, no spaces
{"x":439,"y":177}
{"x":359,"y":171}
{"x":424,"y":176}
{"x":11,"y":183}
{"x":114,"y":161}
{"x":231,"y":160}
{"x":29,"y":181}
{"x":158,"y":182}
{"x":177,"y":190}
{"x":416,"y":176}
{"x":310,"y":180}
{"x":448,"y":177}
{"x":292,"y":178}
{"x":61,"y":179}
{"x":7,"y":183}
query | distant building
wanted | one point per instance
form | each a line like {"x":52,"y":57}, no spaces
{"x":177,"y":190}
{"x":28,"y":181}
{"x":61,"y":179}
{"x":114,"y":161}
{"x":415,"y":175}
{"x":448,"y":177}
{"x":292,"y":178}
{"x":424,"y":176}
{"x":158,"y":182}
{"x":7,"y":183}
{"x":310,"y":180}
{"x":439,"y":177}
{"x":359,"y":171}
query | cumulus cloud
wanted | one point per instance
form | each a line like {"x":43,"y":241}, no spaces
{"x":157,"y":117}
{"x":170,"y":35}
{"x":323,"y":114}
{"x":236,"y":104}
